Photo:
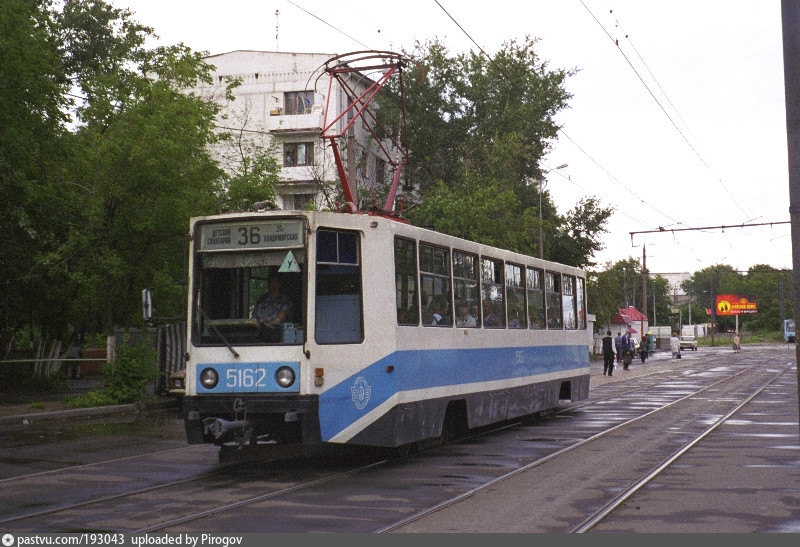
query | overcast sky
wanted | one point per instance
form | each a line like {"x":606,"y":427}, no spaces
{"x":681,"y":125}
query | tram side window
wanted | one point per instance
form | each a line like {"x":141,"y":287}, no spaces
{"x":515,"y":293}
{"x":552,"y":286}
{"x":405,"y":276}
{"x":338,"y":308}
{"x":434,"y":281}
{"x":535,"y":298}
{"x":581,"y":295}
{"x":568,"y":302}
{"x":465,"y":289}
{"x":492,"y":294}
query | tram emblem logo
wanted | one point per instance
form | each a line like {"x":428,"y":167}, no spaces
{"x":360,"y":393}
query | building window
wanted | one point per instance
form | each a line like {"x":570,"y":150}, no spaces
{"x":298,"y":153}
{"x":298,"y":102}
{"x":380,"y":171}
{"x":302,"y":201}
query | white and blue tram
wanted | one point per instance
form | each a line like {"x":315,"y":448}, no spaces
{"x":373,"y":350}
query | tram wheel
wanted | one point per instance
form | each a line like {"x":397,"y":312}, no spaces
{"x":454,"y":425}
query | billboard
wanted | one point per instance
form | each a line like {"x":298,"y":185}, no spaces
{"x":731,"y":304}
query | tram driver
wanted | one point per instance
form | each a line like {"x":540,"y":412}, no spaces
{"x":274,"y":306}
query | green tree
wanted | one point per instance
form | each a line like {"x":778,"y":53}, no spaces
{"x":577,"y":236}
{"x":478,"y":129}
{"x":32,"y":104}
{"x":703,"y":286}
{"x":103,"y":160}
{"x":609,"y":289}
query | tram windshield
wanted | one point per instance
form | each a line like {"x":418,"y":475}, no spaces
{"x":251,"y":296}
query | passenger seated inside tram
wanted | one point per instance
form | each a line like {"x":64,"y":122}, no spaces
{"x":463,"y":317}
{"x":490,"y":319}
{"x":438,"y":313}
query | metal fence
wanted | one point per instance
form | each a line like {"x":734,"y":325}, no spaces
{"x":169,"y":341}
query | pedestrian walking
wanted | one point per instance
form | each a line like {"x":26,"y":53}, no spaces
{"x":627,"y":349}
{"x":618,"y":346}
{"x":608,"y":354}
{"x":675,"y":346}
{"x":643,"y":350}
{"x":736,"y":344}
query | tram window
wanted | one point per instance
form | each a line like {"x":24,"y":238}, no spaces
{"x":536,"y":314}
{"x":434,"y":282}
{"x":465,"y":289}
{"x":568,"y":302}
{"x":338,"y":308}
{"x":515,"y":293}
{"x":552,"y":286}
{"x":405,"y":276}
{"x":581,"y":296}
{"x":492,"y":294}
{"x":337,"y":247}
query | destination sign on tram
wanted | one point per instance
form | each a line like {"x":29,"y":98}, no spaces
{"x":221,"y":236}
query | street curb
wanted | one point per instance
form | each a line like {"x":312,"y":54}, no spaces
{"x":140,"y":406}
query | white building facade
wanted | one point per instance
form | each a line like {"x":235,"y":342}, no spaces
{"x":280,"y":105}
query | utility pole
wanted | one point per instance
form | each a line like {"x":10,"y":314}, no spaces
{"x":713,"y":308}
{"x":654,"y":306}
{"x":625,"y":286}
{"x":790,"y":20}
{"x":644,"y":281}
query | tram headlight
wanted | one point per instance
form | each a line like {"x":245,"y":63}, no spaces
{"x":209,"y":378}
{"x":284,"y":376}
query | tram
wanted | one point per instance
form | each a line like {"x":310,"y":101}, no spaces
{"x":326,"y":328}
{"x":389,"y":333}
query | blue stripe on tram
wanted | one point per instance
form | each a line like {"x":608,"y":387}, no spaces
{"x":370,"y":387}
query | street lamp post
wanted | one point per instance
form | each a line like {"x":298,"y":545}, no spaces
{"x":625,"y":286}
{"x":541,"y":221}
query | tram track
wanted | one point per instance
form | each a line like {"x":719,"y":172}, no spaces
{"x":92,"y":509}
{"x":594,"y":516}
{"x":221,"y":496}
{"x":606,"y":510}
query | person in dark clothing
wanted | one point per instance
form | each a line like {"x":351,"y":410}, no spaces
{"x":643,"y":349}
{"x":618,"y":345}
{"x":608,"y":354}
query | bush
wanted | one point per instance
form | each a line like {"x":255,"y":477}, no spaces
{"x":96,"y":397}
{"x":125,"y":380}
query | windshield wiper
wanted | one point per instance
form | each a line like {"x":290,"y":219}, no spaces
{"x":211,"y":324}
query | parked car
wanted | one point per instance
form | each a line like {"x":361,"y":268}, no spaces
{"x":689,"y":342}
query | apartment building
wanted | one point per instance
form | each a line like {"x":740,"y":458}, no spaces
{"x":280,"y":105}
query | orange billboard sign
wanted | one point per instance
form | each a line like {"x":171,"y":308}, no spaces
{"x":731,"y":304}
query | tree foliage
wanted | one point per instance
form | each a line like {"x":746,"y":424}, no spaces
{"x":770,"y":288}
{"x":478,"y":131}
{"x":620,"y":284}
{"x":104,"y":158}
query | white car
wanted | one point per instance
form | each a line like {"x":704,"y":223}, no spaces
{"x":689,"y":342}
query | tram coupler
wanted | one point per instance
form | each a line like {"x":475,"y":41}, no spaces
{"x":222,"y":429}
